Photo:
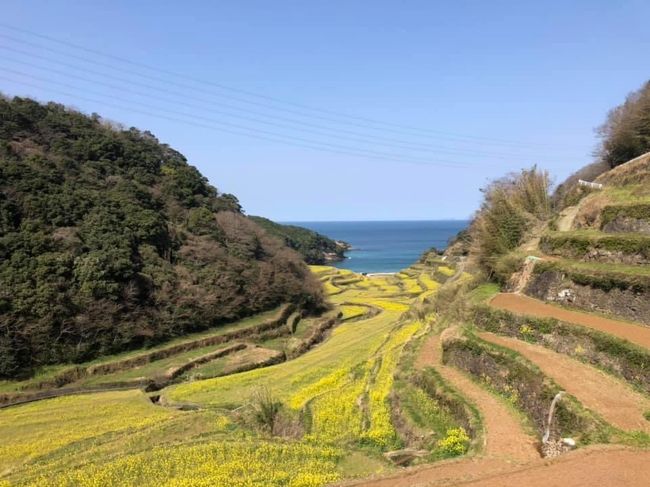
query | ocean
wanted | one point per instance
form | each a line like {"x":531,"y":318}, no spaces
{"x":387,"y":246}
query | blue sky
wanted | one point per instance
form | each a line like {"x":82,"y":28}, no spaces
{"x":465,"y":91}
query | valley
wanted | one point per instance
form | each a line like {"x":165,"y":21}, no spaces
{"x":152,"y":333}
{"x":335,"y":401}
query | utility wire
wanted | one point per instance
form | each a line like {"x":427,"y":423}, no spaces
{"x":340,"y":117}
{"x":262,"y":135}
{"x":221,"y":104}
{"x":293,"y":124}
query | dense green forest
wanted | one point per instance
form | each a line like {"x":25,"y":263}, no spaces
{"x":313,"y":246}
{"x":110,"y":240}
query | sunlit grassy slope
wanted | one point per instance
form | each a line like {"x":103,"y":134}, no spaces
{"x":340,"y":391}
{"x":48,"y":373}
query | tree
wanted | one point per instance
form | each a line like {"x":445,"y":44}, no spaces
{"x":110,"y":240}
{"x":626,"y":131}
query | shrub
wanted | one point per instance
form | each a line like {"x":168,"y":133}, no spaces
{"x":266,"y":409}
{"x":639,"y":211}
{"x":600,"y":278}
{"x":570,"y":193}
{"x":510,"y":207}
{"x":507,"y":265}
{"x":577,"y":244}
{"x":455,"y":443}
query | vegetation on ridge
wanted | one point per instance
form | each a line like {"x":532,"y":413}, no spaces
{"x":511,"y":207}
{"x":313,"y":246}
{"x":626,"y":132}
{"x":110,"y":240}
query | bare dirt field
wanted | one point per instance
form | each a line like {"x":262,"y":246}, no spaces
{"x":525,"y":305}
{"x":615,"y":401}
{"x":598,"y":466}
{"x":509,"y":456}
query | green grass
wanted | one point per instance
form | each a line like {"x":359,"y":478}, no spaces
{"x":636,"y":210}
{"x":349,"y":343}
{"x":152,"y":369}
{"x":577,"y":243}
{"x":341,"y":388}
{"x":351,"y":311}
{"x":50,"y":372}
{"x":41,"y":428}
{"x":44,"y":373}
{"x":484,"y":292}
{"x":631,"y":270}
{"x":628,"y":194}
{"x":446,"y":271}
{"x":122,"y":439}
{"x":600,"y":275}
{"x":523,"y":384}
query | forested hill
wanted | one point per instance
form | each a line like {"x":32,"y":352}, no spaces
{"x":313,"y":246}
{"x":110,"y":240}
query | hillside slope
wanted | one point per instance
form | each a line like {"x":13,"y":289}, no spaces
{"x":313,"y":246}
{"x":111,"y":240}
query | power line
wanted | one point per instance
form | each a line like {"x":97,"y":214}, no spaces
{"x":186,"y":88}
{"x":297,"y":125}
{"x":268,"y":136}
{"x":346,"y":117}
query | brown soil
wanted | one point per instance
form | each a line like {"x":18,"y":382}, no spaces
{"x":251,"y":355}
{"x":593,"y":468}
{"x":615,"y":401}
{"x":565,"y":222}
{"x":610,"y":466}
{"x":505,"y":437}
{"x":509,"y":457}
{"x":506,"y":446}
{"x":528,"y":306}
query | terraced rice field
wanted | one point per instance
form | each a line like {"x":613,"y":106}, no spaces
{"x":148,"y":369}
{"x":336,"y":399}
{"x":343,"y":386}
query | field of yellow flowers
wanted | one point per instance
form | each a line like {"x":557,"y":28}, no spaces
{"x":341,"y":389}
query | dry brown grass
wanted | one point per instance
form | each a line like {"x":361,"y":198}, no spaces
{"x":636,"y":171}
{"x":591,"y":207}
{"x":512,"y":206}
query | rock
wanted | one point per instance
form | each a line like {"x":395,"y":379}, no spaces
{"x":555,"y":448}
{"x":451,"y":334}
{"x":566,"y":295}
{"x":622,"y":224}
{"x":406,"y":456}
{"x":569,"y":442}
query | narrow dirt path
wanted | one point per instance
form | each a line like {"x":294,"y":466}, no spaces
{"x":598,"y":466}
{"x":565,"y":222}
{"x":615,"y":401}
{"x":505,"y":437}
{"x":524,"y":305}
{"x":507,"y":445}
{"x":509,"y":457}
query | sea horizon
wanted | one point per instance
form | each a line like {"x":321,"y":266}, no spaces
{"x":297,"y":222}
{"x":380,"y":246}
